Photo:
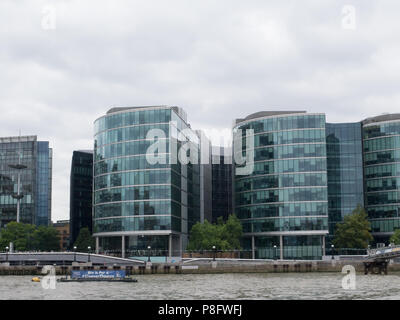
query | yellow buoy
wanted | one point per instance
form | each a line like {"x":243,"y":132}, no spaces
{"x":36,"y":279}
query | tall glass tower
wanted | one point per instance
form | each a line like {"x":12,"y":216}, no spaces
{"x":221,"y":183}
{"x":139,"y":203}
{"x":31,"y":160}
{"x":345,"y":171}
{"x":283,"y":203}
{"x":81,"y":192}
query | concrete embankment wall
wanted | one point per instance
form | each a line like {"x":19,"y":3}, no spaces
{"x":282,"y":267}
{"x":208,"y":267}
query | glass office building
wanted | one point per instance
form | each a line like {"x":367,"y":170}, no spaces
{"x":345,"y":171}
{"x":306,"y":176}
{"x":283,"y":203}
{"x":221,"y":183}
{"x":81,"y":191}
{"x":44,"y":170}
{"x":381,"y":147}
{"x":205,"y":177}
{"x":35,"y":158}
{"x":140,"y":203}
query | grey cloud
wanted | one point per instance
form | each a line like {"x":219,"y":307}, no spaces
{"x":218,"y":60}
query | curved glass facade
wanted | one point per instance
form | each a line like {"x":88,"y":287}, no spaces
{"x":345,"y":171}
{"x":146,"y":204}
{"x":381,"y":147}
{"x":283,"y":202}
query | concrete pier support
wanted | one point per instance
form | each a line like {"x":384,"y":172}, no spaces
{"x":281,"y":246}
{"x":123,"y":247}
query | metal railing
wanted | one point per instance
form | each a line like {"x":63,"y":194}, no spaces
{"x":383,"y":250}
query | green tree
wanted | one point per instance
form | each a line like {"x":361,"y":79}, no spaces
{"x":395,"y":238}
{"x":21,"y":234}
{"x":232,"y":232}
{"x":29,"y":237}
{"x":84,"y":240}
{"x":354,"y":231}
{"x":46,"y":239}
{"x":224,"y":236}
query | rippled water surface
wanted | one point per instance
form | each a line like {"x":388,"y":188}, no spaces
{"x":211,"y":286}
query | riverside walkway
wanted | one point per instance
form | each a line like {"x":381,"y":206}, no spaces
{"x":63,"y":258}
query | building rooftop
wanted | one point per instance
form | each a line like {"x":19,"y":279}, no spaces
{"x":18,"y":139}
{"x":119,"y":109}
{"x":381,"y":118}
{"x":179,"y":111}
{"x":262,"y":114}
{"x":60,"y":222}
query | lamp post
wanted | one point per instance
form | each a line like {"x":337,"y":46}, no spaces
{"x":7,"y":254}
{"x":89,"y":253}
{"x":332,"y":246}
{"x":274,"y":252}
{"x":74,"y":254}
{"x":215,"y":252}
{"x":148,"y":248}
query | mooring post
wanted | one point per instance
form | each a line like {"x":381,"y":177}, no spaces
{"x":366,"y":267}
{"x":386,"y":268}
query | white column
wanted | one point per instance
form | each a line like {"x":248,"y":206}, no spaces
{"x":180,"y":246}
{"x":253,"y":249}
{"x":97,"y":245}
{"x":123,"y":247}
{"x":281,"y":246}
{"x":170,"y":245}
{"x":323,"y":245}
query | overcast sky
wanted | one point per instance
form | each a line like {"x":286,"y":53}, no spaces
{"x":65,"y":63}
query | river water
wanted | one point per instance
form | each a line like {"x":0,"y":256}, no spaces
{"x":211,"y":286}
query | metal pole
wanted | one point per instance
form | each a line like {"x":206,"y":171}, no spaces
{"x":18,"y":191}
{"x":19,"y":188}
{"x":18,"y":167}
{"x":215,"y":251}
